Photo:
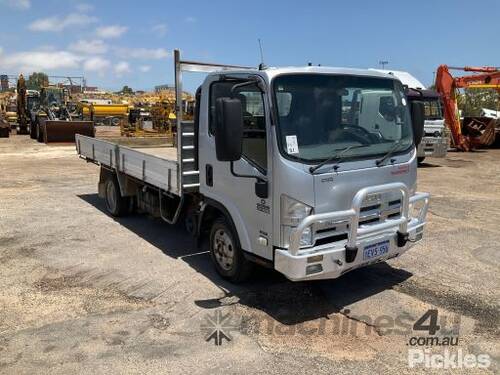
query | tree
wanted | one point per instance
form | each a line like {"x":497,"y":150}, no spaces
{"x":127,"y":90}
{"x":37,"y":80}
{"x":472,"y":100}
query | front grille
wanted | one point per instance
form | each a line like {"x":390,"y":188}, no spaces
{"x":372,"y":213}
{"x":434,"y":134}
{"x":369,"y":208}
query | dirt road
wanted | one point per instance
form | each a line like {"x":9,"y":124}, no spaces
{"x":82,"y":292}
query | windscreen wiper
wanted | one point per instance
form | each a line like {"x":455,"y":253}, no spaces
{"x":395,"y":147}
{"x":336,"y":156}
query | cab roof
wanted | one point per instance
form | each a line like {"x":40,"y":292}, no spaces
{"x":326,"y":70}
{"x":272,"y":72}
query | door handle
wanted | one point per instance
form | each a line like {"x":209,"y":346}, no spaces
{"x":209,"y":175}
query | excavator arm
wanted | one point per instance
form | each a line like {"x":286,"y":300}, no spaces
{"x":447,"y":86}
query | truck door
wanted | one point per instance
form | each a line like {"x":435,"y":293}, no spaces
{"x":252,"y":216}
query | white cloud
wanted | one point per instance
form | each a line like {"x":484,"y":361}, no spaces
{"x":17,"y":4}
{"x":30,"y":61}
{"x":89,"y":47}
{"x":145,"y":68}
{"x":122,"y":68}
{"x":60,"y":23}
{"x":190,"y":19}
{"x":160,"y":29}
{"x":84,"y":7}
{"x":108,"y":32}
{"x":96,"y":64}
{"x":141,"y":53}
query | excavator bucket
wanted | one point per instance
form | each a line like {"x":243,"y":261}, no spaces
{"x":481,"y":131}
{"x":65,"y":131}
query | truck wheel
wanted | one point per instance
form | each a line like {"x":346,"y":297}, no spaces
{"x":226,"y":253}
{"x":420,"y":159}
{"x":115,"y":203}
{"x":32,"y":131}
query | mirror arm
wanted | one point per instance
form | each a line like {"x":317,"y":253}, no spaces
{"x":258,"y":178}
{"x":253,"y":81}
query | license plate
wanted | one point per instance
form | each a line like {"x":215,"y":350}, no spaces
{"x":375,"y":250}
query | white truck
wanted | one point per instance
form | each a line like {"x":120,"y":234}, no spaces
{"x":278,"y":168}
{"x":436,"y":139}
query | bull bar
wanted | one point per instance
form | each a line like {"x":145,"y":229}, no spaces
{"x":294,"y":255}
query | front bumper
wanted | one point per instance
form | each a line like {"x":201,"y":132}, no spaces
{"x":334,"y":259}
{"x":435,"y":147}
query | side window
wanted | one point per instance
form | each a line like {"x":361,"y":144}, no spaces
{"x":254,"y":124}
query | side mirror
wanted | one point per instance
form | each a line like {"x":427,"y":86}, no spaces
{"x":417,"y":120}
{"x":228,"y":129}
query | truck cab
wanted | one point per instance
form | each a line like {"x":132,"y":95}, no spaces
{"x":315,"y":175}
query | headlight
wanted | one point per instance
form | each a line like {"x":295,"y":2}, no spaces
{"x":415,"y":210}
{"x":292,"y":213}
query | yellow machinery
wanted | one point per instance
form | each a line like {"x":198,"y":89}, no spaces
{"x":4,"y":125}
{"x":8,"y":108}
{"x":140,"y":115}
{"x":154,"y":115}
{"x":110,"y":114}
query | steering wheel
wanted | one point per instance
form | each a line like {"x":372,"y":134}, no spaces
{"x":360,"y":134}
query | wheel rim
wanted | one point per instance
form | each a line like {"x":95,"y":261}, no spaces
{"x":223,"y":249}
{"x":111,"y":196}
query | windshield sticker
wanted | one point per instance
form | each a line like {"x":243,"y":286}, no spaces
{"x":292,"y":146}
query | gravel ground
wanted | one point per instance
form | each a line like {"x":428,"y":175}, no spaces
{"x":82,"y":292}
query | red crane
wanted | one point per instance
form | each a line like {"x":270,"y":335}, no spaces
{"x":447,"y":86}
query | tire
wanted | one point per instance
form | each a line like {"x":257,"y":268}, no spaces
{"x":226,"y":253}
{"x":39,"y":133}
{"x":420,"y":159}
{"x":32,"y":131}
{"x":23,"y":128}
{"x":115,"y":121}
{"x":116,"y":204}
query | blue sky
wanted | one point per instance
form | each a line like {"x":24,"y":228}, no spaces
{"x":113,"y":43}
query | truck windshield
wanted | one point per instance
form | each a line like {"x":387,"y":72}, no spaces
{"x":433,"y":109}
{"x":320,"y":114}
{"x":53,"y":97}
